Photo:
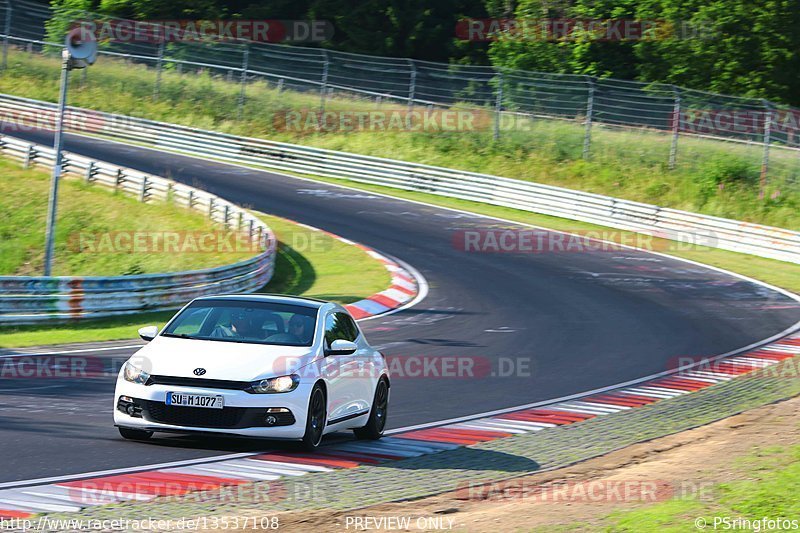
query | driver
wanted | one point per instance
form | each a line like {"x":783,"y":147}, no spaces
{"x":244,"y":324}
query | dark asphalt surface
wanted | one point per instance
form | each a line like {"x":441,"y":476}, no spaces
{"x":558,"y":323}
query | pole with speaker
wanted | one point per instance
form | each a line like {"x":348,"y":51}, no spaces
{"x":80,"y":51}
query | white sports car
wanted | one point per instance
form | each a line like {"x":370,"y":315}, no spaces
{"x":270,"y":366}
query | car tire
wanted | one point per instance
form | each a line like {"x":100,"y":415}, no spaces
{"x":373,"y":430}
{"x":315,"y":419}
{"x":135,"y":434}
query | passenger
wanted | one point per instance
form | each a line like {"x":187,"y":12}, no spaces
{"x":300,"y":327}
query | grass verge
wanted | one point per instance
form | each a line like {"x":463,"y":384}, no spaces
{"x":712,"y":177}
{"x":309,"y":263}
{"x":770,"y":490}
{"x":90,"y":217}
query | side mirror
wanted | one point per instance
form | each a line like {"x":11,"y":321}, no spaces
{"x":148,"y":333}
{"x":341,"y":347}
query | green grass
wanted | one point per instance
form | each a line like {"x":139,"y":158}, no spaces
{"x":88,"y":213}
{"x":313,"y":264}
{"x":309,"y":264}
{"x":769,"y":490}
{"x":712,"y":177}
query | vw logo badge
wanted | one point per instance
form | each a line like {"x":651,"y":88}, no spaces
{"x":199,"y":371}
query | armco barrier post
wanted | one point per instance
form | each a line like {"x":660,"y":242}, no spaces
{"x":587,"y":133}
{"x":243,"y":82}
{"x":676,"y":127}
{"x":762,"y":182}
{"x":143,"y":190}
{"x":89,"y":174}
{"x":498,"y":106}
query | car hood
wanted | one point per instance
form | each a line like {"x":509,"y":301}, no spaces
{"x":233,"y":361}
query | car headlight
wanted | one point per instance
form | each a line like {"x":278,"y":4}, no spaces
{"x":135,"y":375}
{"x":275,"y":385}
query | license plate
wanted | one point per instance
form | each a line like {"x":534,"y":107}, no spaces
{"x":195,"y":400}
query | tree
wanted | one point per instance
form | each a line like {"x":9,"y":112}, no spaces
{"x":744,"y":47}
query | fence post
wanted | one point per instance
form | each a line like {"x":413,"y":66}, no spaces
{"x":6,"y":31}
{"x":762,"y":186}
{"x":89,"y":172}
{"x":324,"y":86}
{"x":243,"y":82}
{"x":498,"y":106}
{"x":30,"y":155}
{"x":159,"y":66}
{"x":412,"y":85}
{"x":143,"y":191}
{"x":587,"y":133}
{"x":676,"y":128}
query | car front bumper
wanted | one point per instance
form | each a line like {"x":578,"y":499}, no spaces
{"x":244,"y":411}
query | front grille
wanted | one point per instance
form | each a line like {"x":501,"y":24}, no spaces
{"x":225,"y":418}
{"x":198,"y":382}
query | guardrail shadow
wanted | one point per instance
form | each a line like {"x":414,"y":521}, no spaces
{"x":294,"y":274}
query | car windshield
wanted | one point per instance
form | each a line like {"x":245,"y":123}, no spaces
{"x":245,"y":322}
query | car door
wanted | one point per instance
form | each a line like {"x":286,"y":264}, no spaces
{"x":365,"y":372}
{"x":347,"y":383}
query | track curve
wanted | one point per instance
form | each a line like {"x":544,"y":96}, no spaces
{"x":581,"y":320}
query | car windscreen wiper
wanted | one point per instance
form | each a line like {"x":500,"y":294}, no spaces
{"x":178,"y":335}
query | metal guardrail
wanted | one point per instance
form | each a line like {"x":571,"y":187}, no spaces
{"x":29,"y":299}
{"x":715,"y":232}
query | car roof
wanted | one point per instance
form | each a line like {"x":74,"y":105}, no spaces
{"x":274,"y":298}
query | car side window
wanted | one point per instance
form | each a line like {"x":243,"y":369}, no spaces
{"x":350,"y":325}
{"x":339,"y":326}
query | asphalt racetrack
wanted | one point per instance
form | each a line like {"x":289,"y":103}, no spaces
{"x":541,"y":325}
